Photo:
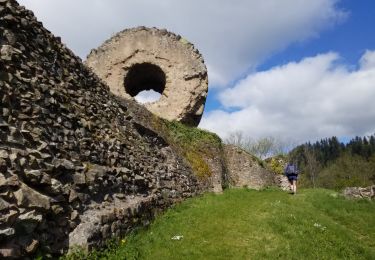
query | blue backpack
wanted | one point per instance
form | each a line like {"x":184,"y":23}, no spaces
{"x":291,"y":169}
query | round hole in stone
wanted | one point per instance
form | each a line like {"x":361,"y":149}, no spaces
{"x":145,"y":81}
{"x":147,"y":96}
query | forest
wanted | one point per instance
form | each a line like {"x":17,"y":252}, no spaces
{"x":330,"y":163}
{"x":327,"y":163}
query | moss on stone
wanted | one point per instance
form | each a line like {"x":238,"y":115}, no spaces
{"x":198,"y":164}
{"x":196,"y":145}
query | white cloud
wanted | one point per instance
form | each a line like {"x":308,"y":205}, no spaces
{"x":307,"y":100}
{"x":147,"y":96}
{"x":234,"y":36}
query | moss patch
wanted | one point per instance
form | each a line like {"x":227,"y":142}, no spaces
{"x":196,"y":145}
{"x":276,"y":164}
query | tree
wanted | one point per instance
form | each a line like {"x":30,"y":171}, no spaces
{"x":312,"y":164}
{"x":262,"y":147}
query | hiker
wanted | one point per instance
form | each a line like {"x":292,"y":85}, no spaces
{"x":291,"y":172}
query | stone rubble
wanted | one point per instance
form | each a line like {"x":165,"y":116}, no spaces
{"x":359,"y":192}
{"x":79,"y":165}
{"x":70,"y":151}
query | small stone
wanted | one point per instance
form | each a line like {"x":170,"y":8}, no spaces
{"x":46,"y":179}
{"x":138,"y":178}
{"x":120,"y":196}
{"x":4,"y":154}
{"x":11,"y":181}
{"x":9,"y":218}
{"x":10,"y":251}
{"x":72,"y":196}
{"x":29,"y":221}
{"x":29,"y":197}
{"x":7,"y":232}
{"x":79,"y":179}
{"x":56,"y":186}
{"x":2,"y":180}
{"x":32,"y":246}
{"x":3,"y":204}
{"x":107,"y":197}
{"x":74,"y":215}
{"x":57,"y":209}
{"x":63,"y":163}
{"x":6,"y":52}
{"x":106,"y":231}
{"x":33,"y":175}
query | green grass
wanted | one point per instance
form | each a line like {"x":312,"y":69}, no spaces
{"x":248,"y":224}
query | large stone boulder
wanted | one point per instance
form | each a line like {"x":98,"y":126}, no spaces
{"x":143,"y":58}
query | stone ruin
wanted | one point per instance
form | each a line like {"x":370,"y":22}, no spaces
{"x":143,"y":58}
{"x":78,"y":164}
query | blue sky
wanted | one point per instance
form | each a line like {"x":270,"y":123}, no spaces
{"x":351,"y":38}
{"x":294,"y":70}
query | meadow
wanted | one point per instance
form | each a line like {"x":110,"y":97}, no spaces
{"x":250,"y":224}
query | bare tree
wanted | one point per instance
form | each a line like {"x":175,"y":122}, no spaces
{"x":262,"y":147}
{"x":312,"y":164}
{"x":235,"y":138}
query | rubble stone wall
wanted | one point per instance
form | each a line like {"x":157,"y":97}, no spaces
{"x":245,"y":170}
{"x":76,"y":164}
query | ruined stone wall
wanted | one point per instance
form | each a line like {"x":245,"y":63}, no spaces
{"x":245,"y":170}
{"x":77,"y":166}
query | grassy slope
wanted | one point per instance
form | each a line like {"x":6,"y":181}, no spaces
{"x":247,"y":224}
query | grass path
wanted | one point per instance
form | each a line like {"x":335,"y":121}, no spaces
{"x":248,"y":224}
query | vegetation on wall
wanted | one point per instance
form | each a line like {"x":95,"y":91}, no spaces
{"x":276,"y":164}
{"x":196,"y":145}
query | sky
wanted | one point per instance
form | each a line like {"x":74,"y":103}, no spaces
{"x":294,"y":70}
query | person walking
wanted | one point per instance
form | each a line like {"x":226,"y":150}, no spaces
{"x":291,"y":172}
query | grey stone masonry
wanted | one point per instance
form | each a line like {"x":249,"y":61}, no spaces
{"x":75,"y":167}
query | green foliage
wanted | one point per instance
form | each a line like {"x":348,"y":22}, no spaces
{"x":199,"y":165}
{"x":331,"y":164}
{"x":79,"y":253}
{"x":348,"y":171}
{"x":191,"y":136}
{"x":196,"y":145}
{"x":277,"y":164}
{"x":249,"y":224}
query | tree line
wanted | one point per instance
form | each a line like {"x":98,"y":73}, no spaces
{"x":328,"y":150}
{"x":333,"y":164}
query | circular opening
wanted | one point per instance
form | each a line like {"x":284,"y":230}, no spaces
{"x":147,"y":96}
{"x":144,"y":76}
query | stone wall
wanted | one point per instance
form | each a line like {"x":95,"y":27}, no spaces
{"x":245,"y":170}
{"x":77,"y":166}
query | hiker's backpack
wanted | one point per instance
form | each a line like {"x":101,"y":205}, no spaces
{"x":291,"y":169}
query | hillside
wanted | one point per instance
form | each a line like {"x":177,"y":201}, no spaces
{"x":249,"y":224}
